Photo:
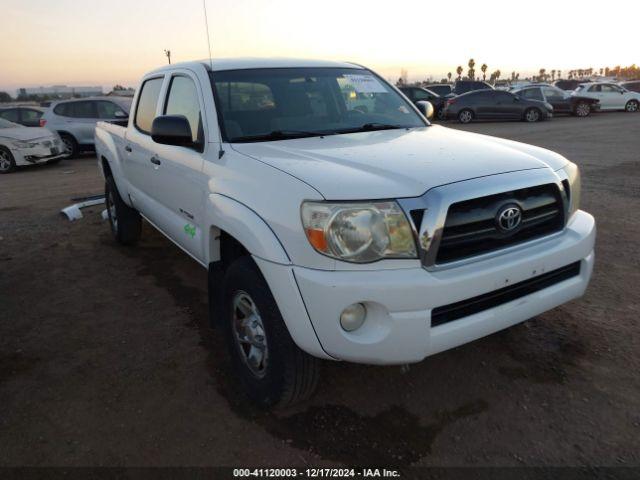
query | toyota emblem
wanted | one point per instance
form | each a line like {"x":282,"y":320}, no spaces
{"x":509,"y":218}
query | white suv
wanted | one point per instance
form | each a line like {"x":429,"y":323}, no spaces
{"x":75,"y":120}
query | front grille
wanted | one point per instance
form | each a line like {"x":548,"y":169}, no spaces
{"x":47,"y":143}
{"x":464,"y":308}
{"x":471,"y":229}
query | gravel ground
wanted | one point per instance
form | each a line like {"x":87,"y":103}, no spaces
{"x":106,"y":358}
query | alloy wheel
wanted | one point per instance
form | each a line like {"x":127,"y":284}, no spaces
{"x":632,"y":106}
{"x":582,"y":110}
{"x":466,"y":116}
{"x":532,"y":115}
{"x":5,"y":161}
{"x":249,"y":333}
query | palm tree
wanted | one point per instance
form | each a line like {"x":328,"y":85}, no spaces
{"x":553,"y":75}
{"x":449,"y":76}
{"x":498,"y":73}
{"x":484,"y":71}
{"x":472,"y":72}
{"x":559,"y":74}
{"x":542,"y":74}
{"x":459,"y":71}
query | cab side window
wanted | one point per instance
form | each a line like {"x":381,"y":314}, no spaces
{"x":595,"y":88}
{"x":147,"y":103}
{"x":183,"y":100}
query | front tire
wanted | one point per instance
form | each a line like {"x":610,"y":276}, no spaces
{"x":272,"y":369}
{"x":632,"y":106}
{"x":7,"y":162}
{"x":125,"y":222}
{"x":583,"y":109}
{"x":532,"y":115}
{"x":465,"y":116}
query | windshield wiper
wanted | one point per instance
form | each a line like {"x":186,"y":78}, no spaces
{"x":371,"y":127}
{"x":277,"y":135}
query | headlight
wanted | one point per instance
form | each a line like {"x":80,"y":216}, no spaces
{"x":573,"y":177}
{"x":21,"y":144}
{"x":358,"y":232}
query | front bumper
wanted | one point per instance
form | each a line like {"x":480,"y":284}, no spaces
{"x":38,"y":154}
{"x":399,"y":302}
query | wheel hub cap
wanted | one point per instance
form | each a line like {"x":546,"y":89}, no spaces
{"x":250,"y":334}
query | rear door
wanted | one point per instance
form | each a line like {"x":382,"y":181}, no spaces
{"x":81,"y":120}
{"x":180,"y":178}
{"x":507,"y":104}
{"x":139,"y":158}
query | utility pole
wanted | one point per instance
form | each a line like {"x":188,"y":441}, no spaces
{"x":168,"y":55}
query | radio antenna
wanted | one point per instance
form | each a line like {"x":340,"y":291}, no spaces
{"x":206,"y":23}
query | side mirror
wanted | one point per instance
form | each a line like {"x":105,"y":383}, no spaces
{"x":425,"y":108}
{"x":120,"y":114}
{"x":516,"y":98}
{"x":172,"y":130}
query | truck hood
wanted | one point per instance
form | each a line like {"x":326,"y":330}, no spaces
{"x":396,"y":163}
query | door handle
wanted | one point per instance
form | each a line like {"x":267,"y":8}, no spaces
{"x":128,"y":149}
{"x":155,"y":160}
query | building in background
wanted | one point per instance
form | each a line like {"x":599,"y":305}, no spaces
{"x":58,"y":91}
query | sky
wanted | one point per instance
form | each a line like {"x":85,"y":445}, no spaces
{"x":104,"y":43}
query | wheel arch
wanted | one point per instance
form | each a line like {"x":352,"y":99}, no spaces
{"x":234,"y":227}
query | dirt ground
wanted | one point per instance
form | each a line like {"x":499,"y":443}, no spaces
{"x":106,"y":358}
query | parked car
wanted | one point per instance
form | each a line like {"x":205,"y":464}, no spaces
{"x":419,"y":94}
{"x":562,"y":101}
{"x":567,"y":84}
{"x":464,"y":86}
{"x":22,"y":115}
{"x":75,"y":120}
{"x":495,"y":105}
{"x":20,"y":145}
{"x":610,"y":96}
{"x":371,"y":237}
{"x":633,"y":86}
{"x":442,"y":89}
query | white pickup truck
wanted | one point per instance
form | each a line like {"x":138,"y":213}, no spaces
{"x":335,"y":221}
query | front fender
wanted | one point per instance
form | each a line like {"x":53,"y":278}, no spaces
{"x":246,"y":226}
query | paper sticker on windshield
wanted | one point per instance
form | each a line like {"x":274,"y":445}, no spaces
{"x":365,"y":83}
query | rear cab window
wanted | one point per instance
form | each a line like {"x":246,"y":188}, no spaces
{"x":147,"y":104}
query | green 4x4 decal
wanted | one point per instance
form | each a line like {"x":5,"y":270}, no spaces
{"x":190,"y":230}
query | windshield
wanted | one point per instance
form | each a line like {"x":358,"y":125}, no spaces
{"x":7,"y":124}
{"x":279,"y":103}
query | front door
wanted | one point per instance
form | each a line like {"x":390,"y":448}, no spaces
{"x":180,"y":178}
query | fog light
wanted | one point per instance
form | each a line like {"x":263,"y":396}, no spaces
{"x":353,"y":317}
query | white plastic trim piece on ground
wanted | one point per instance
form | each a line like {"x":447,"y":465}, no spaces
{"x":73,"y":212}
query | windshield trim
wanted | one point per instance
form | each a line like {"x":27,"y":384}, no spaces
{"x":225,"y":137}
